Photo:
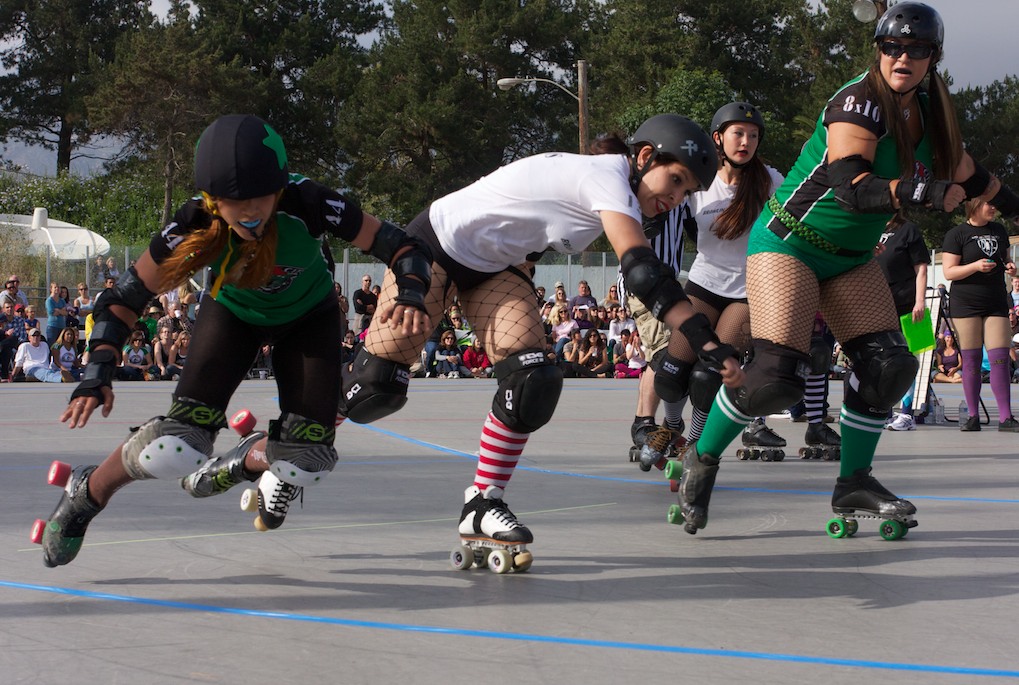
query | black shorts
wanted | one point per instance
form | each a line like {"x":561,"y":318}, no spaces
{"x":716,"y":302}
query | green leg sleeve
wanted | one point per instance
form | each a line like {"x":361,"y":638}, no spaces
{"x":724,"y":423}
{"x":860,"y":435}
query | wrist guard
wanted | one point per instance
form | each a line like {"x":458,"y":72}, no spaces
{"x":413,"y":268}
{"x":98,"y":374}
{"x":922,"y":193}
{"x":1006,"y":202}
{"x":698,"y":332}
{"x":651,"y":281}
{"x":976,"y":184}
{"x":869,"y":195}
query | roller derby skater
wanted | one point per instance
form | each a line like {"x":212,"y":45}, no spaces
{"x":812,"y":247}
{"x":253,"y":219}
{"x":760,"y":442}
{"x":667,"y":157}
{"x":822,"y":443}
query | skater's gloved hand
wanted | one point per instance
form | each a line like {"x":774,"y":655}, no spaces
{"x":720,"y":358}
{"x":95,"y":388}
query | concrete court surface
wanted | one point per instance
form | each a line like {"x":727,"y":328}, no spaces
{"x":357,"y":586}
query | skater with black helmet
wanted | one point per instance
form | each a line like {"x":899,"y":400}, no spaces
{"x":484,"y":239}
{"x":259,"y":229}
{"x":887,"y":139}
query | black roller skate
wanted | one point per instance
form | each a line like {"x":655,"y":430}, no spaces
{"x":862,"y":496}
{"x":660,"y":445}
{"x":822,"y":443}
{"x":220,"y":474}
{"x":641,"y":428}
{"x":490,"y":535}
{"x":760,"y":442}
{"x":63,"y":534}
{"x":695,"y":486}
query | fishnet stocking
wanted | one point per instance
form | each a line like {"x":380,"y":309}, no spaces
{"x":784,"y":295}
{"x":858,"y":302}
{"x":501,"y":310}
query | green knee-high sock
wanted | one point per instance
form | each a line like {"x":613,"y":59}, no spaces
{"x":724,"y":423}
{"x":860,"y":435}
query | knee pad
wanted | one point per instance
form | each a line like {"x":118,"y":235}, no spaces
{"x":299,"y":450}
{"x":775,"y":379}
{"x":529,"y":388}
{"x":373,"y":388}
{"x":883,"y":367}
{"x":820,"y":356}
{"x":175,"y":445}
{"x":672,"y":376}
{"x":704,"y":385}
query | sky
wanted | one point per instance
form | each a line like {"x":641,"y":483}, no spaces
{"x":981,"y":47}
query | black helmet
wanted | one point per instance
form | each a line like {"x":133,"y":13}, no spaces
{"x":911,"y":20}
{"x":737,"y":111}
{"x":677,"y":137}
{"x":239,"y":156}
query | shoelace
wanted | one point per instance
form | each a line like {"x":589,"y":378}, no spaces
{"x":659,"y":439}
{"x":282,"y":495}
{"x":502,"y":513}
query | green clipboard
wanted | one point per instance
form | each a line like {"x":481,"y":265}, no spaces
{"x":919,"y":335}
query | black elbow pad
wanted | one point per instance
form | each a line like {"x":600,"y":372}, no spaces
{"x":869,"y":195}
{"x":651,"y":281}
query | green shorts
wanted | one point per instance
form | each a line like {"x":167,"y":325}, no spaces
{"x":653,"y":333}
{"x":824,"y":264}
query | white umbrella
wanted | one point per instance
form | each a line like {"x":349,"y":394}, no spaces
{"x":64,"y":240}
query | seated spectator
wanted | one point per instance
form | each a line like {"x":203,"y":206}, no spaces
{"x":594,"y":354}
{"x":12,"y":292}
{"x":183,"y":346}
{"x":617,"y":352}
{"x":571,"y":366}
{"x":600,"y":318}
{"x":30,"y":320}
{"x":612,"y":298}
{"x":65,"y":353}
{"x":448,"y":358}
{"x":476,"y":360}
{"x":13,"y":332}
{"x":621,"y":322}
{"x":164,"y":355}
{"x":559,"y":295}
{"x":463,"y":329}
{"x":547,"y":309}
{"x":348,"y":349}
{"x":636,"y":358}
{"x":948,"y":361}
{"x":562,"y":327}
{"x":583,"y":296}
{"x":432,"y":344}
{"x":136,"y":363}
{"x":582,"y":315}
{"x":33,"y":360}
{"x":151,"y":321}
{"x":540,"y":292}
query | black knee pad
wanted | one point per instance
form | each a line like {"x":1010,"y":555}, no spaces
{"x":672,"y":376}
{"x":883,"y":366}
{"x":820,"y":355}
{"x":704,"y":385}
{"x":373,"y":388}
{"x":529,"y":388}
{"x":775,"y":379}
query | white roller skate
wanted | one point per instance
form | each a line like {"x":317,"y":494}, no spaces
{"x":490,"y":535}
{"x":862,"y":496}
{"x":271,"y":499}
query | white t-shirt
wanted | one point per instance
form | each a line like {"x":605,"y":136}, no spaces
{"x":30,"y":356}
{"x":720,"y":265}
{"x":546,"y":201}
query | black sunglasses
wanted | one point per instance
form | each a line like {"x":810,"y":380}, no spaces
{"x":915,"y":51}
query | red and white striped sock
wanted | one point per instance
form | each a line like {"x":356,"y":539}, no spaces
{"x":499,"y":453}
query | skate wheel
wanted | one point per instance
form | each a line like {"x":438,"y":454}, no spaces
{"x":522,"y":562}
{"x":462,"y":558}
{"x":673,"y":485}
{"x":673,"y":470}
{"x":500,"y":561}
{"x":830,"y":456}
{"x":481,"y":557}
{"x":852,"y":527}
{"x":260,"y":525}
{"x":243,"y":422}
{"x":661,"y":464}
{"x":675,"y":514}
{"x":742,"y":454}
{"x":778,"y":456}
{"x":837,"y":528}
{"x":690,"y":528}
{"x":892,"y":529}
{"x":634,"y":453}
{"x":37,"y":530}
{"x":58,"y":474}
{"x":753,"y":455}
{"x":249,"y":500}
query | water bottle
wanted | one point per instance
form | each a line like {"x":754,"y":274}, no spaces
{"x":963,"y":412}
{"x":939,"y":413}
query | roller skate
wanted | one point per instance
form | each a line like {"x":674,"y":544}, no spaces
{"x":222,"y":473}
{"x":861,"y":496}
{"x":695,"y":486}
{"x":822,"y":443}
{"x":641,"y":428}
{"x":661,"y":444}
{"x":490,"y":535}
{"x":62,"y":535}
{"x":271,"y":499}
{"x":760,"y":442}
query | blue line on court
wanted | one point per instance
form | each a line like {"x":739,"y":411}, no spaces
{"x":523,"y":637}
{"x":643,"y":481}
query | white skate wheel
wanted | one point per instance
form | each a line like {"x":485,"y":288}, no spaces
{"x":249,"y":500}
{"x":523,"y":561}
{"x":500,"y":561}
{"x":462,"y":558}
{"x":260,"y":525}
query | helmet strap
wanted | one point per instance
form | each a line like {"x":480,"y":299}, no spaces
{"x":637,"y":174}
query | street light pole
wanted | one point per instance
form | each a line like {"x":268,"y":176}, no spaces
{"x":580,"y":96}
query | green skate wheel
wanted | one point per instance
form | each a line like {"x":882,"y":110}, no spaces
{"x":462,"y":558}
{"x":500,"y":561}
{"x":892,"y":529}
{"x":673,"y":470}
{"x":523,"y":561}
{"x":837,"y":528}
{"x":676,"y":514}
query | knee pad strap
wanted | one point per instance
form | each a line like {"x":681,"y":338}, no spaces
{"x":775,"y":379}
{"x":166,"y":448}
{"x":529,"y":388}
{"x":373,"y":388}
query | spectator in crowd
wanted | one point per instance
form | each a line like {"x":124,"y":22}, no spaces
{"x":65,"y":353}
{"x":33,"y":359}
{"x":476,"y":360}
{"x":583,"y":297}
{"x":108,"y":282}
{"x":464,"y":331}
{"x":136,"y":360}
{"x":562,"y":327}
{"x":30,"y":320}
{"x":164,"y":355}
{"x":12,"y":291}
{"x":600,"y":318}
{"x":621,"y":322}
{"x":1013,"y":320}
{"x":365,"y":301}
{"x":948,"y":367}
{"x":348,"y":347}
{"x":612,"y":297}
{"x":97,"y":274}
{"x":151,"y":321}
{"x":582,"y":315}
{"x":570,"y":364}
{"x":1014,"y":293}
{"x":111,"y":270}
{"x":540,"y":292}
{"x":344,"y":305}
{"x":449,"y":358}
{"x":56,"y":314}
{"x":432,"y":344}
{"x":594,"y":354}
{"x":632,"y":362}
{"x":83,"y":302}
{"x":559,"y":295}
{"x":12,"y":333}
{"x":547,"y":310}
